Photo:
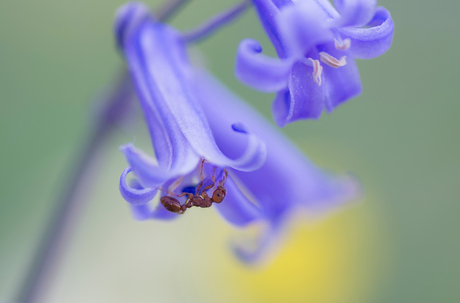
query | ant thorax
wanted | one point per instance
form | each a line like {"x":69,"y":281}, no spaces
{"x":199,"y":198}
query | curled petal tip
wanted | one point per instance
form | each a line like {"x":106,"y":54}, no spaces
{"x":132,"y":195}
{"x":145,"y":167}
{"x":240,"y":127}
{"x":259,"y":71}
{"x":372,"y":41}
{"x":354,"y":12}
{"x":255,"y":154}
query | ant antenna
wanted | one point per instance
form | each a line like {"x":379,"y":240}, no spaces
{"x":175,"y":184}
{"x":173,"y":194}
{"x":224,"y":178}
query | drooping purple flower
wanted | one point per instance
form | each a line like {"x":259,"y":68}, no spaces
{"x":191,"y":117}
{"x":316,"y":44}
{"x":160,"y":70}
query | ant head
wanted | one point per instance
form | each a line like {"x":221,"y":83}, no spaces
{"x":219,"y":194}
{"x":171,"y":204}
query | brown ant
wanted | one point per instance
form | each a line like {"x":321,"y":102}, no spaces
{"x":204,"y":201}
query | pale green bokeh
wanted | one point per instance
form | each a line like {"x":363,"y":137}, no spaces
{"x":400,"y":137}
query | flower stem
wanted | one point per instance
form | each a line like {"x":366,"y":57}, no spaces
{"x":66,"y":210}
{"x":215,"y":23}
{"x":169,"y":9}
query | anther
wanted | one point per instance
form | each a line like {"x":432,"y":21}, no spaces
{"x":317,"y":71}
{"x":331,"y":61}
{"x":343,"y":44}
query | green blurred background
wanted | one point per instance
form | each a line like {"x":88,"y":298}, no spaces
{"x":400,"y":137}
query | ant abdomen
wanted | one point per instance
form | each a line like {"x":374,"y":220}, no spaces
{"x":171,"y":204}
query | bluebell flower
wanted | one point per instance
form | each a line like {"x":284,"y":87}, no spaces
{"x":316,"y":44}
{"x":191,"y":117}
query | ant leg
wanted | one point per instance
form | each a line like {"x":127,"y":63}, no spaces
{"x":201,"y":177}
{"x":201,"y":169}
{"x":224,"y":179}
{"x":187,"y":204}
{"x":174,"y":195}
{"x":213,"y":180}
{"x":189,"y":195}
{"x":175,"y":184}
{"x":166,"y":191}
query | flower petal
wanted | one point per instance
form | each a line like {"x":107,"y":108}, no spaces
{"x":268,"y":11}
{"x":341,"y":84}
{"x":172,"y":150}
{"x":139,"y":198}
{"x":140,"y":212}
{"x":144,"y":212}
{"x":160,"y":213}
{"x":261,"y":72}
{"x":307,"y":97}
{"x":147,"y":170}
{"x":327,"y":8}
{"x":263,"y":248}
{"x":303,"y":26}
{"x":280,"y":107}
{"x":257,"y":251}
{"x":127,"y":18}
{"x":133,"y":195}
{"x":287,"y":176}
{"x":333,"y":191}
{"x":236,"y":208}
{"x":368,"y":43}
{"x":280,"y":3}
{"x":156,"y":55}
{"x":354,"y":12}
{"x":286,"y":181}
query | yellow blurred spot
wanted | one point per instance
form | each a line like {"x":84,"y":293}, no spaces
{"x":335,"y":260}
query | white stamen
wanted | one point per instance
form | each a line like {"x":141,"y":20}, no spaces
{"x":343,"y":44}
{"x":317,"y":71}
{"x":331,"y":61}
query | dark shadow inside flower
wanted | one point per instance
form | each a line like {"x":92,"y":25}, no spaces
{"x":191,"y":189}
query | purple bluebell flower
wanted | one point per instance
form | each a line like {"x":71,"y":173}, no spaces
{"x":191,"y":116}
{"x":316,"y":44}
{"x":160,"y":70}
